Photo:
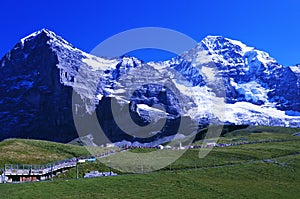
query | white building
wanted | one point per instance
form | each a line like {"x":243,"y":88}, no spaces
{"x":210,"y":144}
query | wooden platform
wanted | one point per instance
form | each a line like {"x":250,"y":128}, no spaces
{"x":27,"y":172}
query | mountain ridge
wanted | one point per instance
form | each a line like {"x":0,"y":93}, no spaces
{"x":39,"y":75}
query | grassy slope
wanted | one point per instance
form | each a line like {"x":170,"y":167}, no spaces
{"x":248,"y":178}
{"x":19,"y":151}
{"x":253,"y":133}
{"x":258,"y":180}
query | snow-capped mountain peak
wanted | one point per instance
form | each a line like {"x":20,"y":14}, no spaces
{"x":220,"y":44}
{"x":35,"y":34}
{"x":230,"y":49}
{"x":41,"y":74}
{"x":48,"y":35}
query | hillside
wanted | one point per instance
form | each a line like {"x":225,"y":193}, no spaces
{"x":21,"y":151}
{"x":246,"y":181}
{"x":258,"y":170}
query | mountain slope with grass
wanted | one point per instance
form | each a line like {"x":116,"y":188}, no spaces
{"x":20,"y":151}
{"x":258,"y":170}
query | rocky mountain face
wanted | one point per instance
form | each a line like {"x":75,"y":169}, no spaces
{"x":46,"y":84}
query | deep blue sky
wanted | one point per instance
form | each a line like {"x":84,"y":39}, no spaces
{"x":272,"y":26}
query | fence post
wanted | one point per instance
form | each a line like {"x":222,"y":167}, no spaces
{"x":109,"y":167}
{"x":76,"y":170}
{"x":51,"y":171}
{"x":4,"y":174}
{"x":142,"y":168}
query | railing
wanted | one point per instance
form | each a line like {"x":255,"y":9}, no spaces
{"x":51,"y":168}
{"x":27,"y":169}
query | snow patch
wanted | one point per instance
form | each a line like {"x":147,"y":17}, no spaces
{"x":295,"y":69}
{"x":252,"y":91}
{"x":98,"y":63}
{"x":210,"y":73}
{"x":244,"y":47}
{"x":99,"y":97}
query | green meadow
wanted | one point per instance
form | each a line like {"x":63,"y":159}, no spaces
{"x":257,"y":170}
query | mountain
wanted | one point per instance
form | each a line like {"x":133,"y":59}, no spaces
{"x":46,"y":84}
